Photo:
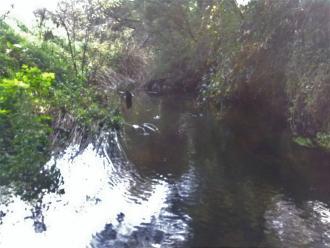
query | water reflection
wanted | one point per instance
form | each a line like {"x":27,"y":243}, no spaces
{"x":106,"y":204}
{"x":234,"y":168}
{"x":188,"y":180}
{"x":288,"y":225}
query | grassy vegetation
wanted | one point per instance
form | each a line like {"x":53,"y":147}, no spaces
{"x":38,"y":90}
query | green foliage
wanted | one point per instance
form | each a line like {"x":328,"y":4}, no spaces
{"x":308,"y":71}
{"x":278,"y":58}
{"x":187,"y":38}
{"x":15,"y":51}
{"x":25,"y":127}
{"x":88,"y":31}
{"x":88,"y":107}
{"x":207,"y":30}
{"x":302,"y":141}
{"x":323,"y":140}
{"x":31,"y":101}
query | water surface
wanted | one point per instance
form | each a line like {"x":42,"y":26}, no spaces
{"x":240,"y":180}
{"x":182,"y":177}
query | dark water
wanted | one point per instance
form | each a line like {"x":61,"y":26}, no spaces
{"x":241,"y":182}
{"x":182,"y":177}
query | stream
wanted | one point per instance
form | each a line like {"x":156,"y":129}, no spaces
{"x":179,"y":176}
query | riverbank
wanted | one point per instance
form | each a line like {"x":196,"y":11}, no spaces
{"x":271,"y":56}
{"x":45,"y":106}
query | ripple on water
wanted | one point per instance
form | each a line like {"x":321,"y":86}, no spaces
{"x":290,"y":226}
{"x":106,"y":204}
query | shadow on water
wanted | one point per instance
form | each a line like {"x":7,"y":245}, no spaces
{"x":240,"y":170}
{"x":182,"y":177}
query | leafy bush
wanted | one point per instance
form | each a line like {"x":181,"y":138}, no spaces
{"x":25,"y":127}
{"x":31,"y":102}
